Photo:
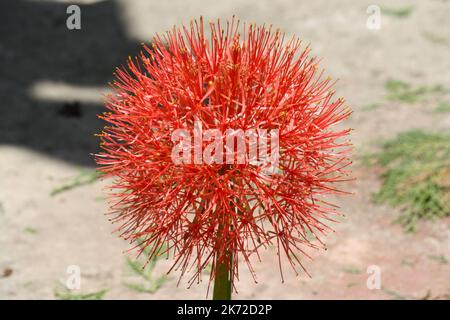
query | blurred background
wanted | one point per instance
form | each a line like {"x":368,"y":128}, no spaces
{"x":394,"y":74}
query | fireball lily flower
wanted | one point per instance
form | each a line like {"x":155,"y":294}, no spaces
{"x":221,"y":212}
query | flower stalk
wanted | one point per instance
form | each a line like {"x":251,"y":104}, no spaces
{"x":222,"y":277}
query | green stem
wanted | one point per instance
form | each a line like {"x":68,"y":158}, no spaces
{"x":222,"y":278}
{"x":223,"y":267}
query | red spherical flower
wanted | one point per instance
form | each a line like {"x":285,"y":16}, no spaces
{"x":213,"y":204}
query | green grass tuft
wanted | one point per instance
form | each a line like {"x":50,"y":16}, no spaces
{"x":352,"y":270}
{"x":144,"y":270}
{"x":417,"y":176}
{"x":435,"y":38}
{"x":399,"y":13}
{"x":394,"y":294}
{"x":85,"y":177}
{"x":67,"y":295}
{"x":371,"y":107}
{"x":443,"y":107}
{"x":409,"y":263}
{"x":401,"y":91}
{"x":439,"y":258}
{"x":30,"y":230}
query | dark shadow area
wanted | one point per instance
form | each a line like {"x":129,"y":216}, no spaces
{"x":36,"y":46}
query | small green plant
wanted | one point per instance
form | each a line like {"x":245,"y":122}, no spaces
{"x":85,"y":177}
{"x":371,"y":107}
{"x":435,"y":38}
{"x":401,"y":91}
{"x":399,"y":13}
{"x":144,"y":270}
{"x":352,"y":270}
{"x":64,"y":294}
{"x":443,"y":107}
{"x":394,"y":294}
{"x":30,"y":230}
{"x":439,"y":258}
{"x":408,"y":263}
{"x":416,"y":176}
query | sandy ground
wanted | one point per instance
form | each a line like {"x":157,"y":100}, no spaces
{"x":51,"y":81}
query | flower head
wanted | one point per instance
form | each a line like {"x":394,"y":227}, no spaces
{"x":204,"y":205}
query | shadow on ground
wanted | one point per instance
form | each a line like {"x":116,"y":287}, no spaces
{"x":37,"y":47}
